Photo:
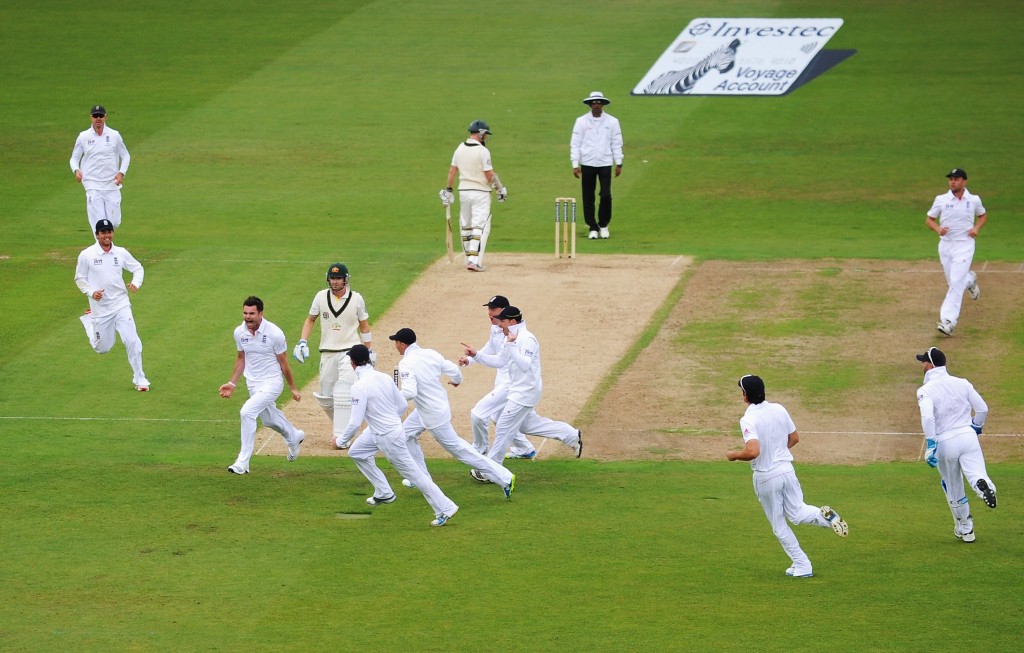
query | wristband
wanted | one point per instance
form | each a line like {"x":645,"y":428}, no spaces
{"x":231,"y":383}
{"x":366,"y":337}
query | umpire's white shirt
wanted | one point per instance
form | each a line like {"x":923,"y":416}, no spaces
{"x":596,"y":142}
{"x":261,"y":350}
{"x":946,"y":402}
{"x":421,"y":371}
{"x":377,"y":401}
{"x":769,"y":424}
{"x":99,"y":270}
{"x":956,"y":214}
{"x":523,"y":357}
{"x":100,"y":157}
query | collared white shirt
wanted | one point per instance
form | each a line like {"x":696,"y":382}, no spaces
{"x":339,"y":329}
{"x":946,"y":402}
{"x":956,"y":214}
{"x":375,"y":400}
{"x":99,"y":270}
{"x":261,"y":350}
{"x":596,"y":142}
{"x":523,"y":358}
{"x":472,"y":158}
{"x":421,"y":370}
{"x":100,"y":157}
{"x":769,"y":424}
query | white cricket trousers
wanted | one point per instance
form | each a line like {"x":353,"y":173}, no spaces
{"x":336,"y":379}
{"x":487,"y":410}
{"x":475,"y":223}
{"x":956,"y":257}
{"x":260,"y":405}
{"x":101,"y":337}
{"x":453,"y":444}
{"x":516,"y":418}
{"x":103,"y":204}
{"x":393,"y":445}
{"x":959,"y":454}
{"x":782,"y":497}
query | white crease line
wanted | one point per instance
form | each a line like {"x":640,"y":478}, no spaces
{"x":115,"y":419}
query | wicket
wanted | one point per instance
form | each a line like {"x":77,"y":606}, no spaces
{"x":564,"y":233}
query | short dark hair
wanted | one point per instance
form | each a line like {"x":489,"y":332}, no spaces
{"x":253,"y":300}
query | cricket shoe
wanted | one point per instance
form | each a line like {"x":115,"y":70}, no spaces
{"x":293,"y":447}
{"x":510,"y":488}
{"x":793,"y":572}
{"x":605,"y":234}
{"x":835,"y":521}
{"x":444,"y":517}
{"x":530,"y":455}
{"x":945,"y":327}
{"x":237,"y":469}
{"x":473,"y":267}
{"x":142,"y":387}
{"x":592,"y":235}
{"x":577,"y":447}
{"x":987,"y":493}
{"x":409,"y":484}
{"x":964,"y":537}
{"x":376,"y":501}
{"x":479,"y":477}
{"x":972,"y":286}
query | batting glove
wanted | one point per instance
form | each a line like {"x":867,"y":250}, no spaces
{"x":301,"y":351}
{"x":503,"y":194}
{"x":929,"y":453}
{"x":447,"y":197}
{"x":977,"y":429}
{"x":373,"y":358}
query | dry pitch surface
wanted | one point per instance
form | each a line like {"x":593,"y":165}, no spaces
{"x":679,"y":400}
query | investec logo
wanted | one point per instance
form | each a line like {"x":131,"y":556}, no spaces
{"x":725,"y":29}
{"x":738,"y":56}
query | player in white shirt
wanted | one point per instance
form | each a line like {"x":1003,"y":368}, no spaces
{"x":99,"y":275}
{"x":100,"y":161}
{"x":951,"y":437}
{"x":376,"y":399}
{"x":768,"y":436}
{"x":263,"y":359}
{"x":420,"y":371}
{"x":520,"y":350}
{"x":595,"y":145}
{"x":957,"y":216}
{"x":343,"y":317}
{"x":472,"y":163}
{"x":489,"y":407}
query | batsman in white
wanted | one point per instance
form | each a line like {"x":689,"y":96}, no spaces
{"x":376,"y":399}
{"x":472,"y":163}
{"x":263,"y":359}
{"x":520,"y":351}
{"x":420,"y":371}
{"x":99,"y":276}
{"x":100,"y":161}
{"x":957,"y":216}
{"x":951,"y":438}
{"x":489,"y":407}
{"x":768,"y":435}
{"x":342,"y":314}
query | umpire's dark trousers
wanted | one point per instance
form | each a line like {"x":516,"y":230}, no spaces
{"x":590,"y":175}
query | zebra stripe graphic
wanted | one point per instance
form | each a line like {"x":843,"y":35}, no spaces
{"x":680,"y":82}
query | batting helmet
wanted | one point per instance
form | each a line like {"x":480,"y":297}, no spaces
{"x":337,"y":271}
{"x":479,"y":126}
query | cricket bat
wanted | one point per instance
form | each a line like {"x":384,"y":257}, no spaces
{"x":448,"y":232}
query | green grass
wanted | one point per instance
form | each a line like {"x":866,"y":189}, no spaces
{"x":269,"y":140}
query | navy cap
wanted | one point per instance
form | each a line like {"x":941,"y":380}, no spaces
{"x":404,"y":335}
{"x":958,"y":172}
{"x":498,"y":301}
{"x":98,"y":110}
{"x":104,"y":225}
{"x":933,"y":356}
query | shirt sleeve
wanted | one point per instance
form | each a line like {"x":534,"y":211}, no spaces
{"x":452,"y":371}
{"x":747,"y":430}
{"x":617,"y":142}
{"x":574,"y":144}
{"x":358,"y":414}
{"x":520,"y":358}
{"x":314,"y":308}
{"x":82,"y":274}
{"x":927,"y":407}
{"x":978,"y":404}
{"x":980,"y":208}
{"x":76,"y":155}
{"x":126,"y":158}
{"x":936,"y":210}
{"x":132,"y":265}
{"x":408,"y":377}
